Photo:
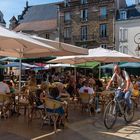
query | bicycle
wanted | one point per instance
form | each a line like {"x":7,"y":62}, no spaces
{"x":117,"y":108}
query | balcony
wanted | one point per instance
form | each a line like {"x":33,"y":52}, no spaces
{"x":67,"y":21}
{"x":104,"y":38}
{"x":87,"y":38}
{"x":84,"y":19}
{"x":67,"y":40}
{"x":103,"y":17}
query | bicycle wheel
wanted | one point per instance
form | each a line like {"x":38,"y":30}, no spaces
{"x":129,"y":112}
{"x":110,"y":115}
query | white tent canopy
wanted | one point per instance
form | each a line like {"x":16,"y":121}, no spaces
{"x":64,"y":49}
{"x":18,"y":45}
{"x":25,"y":46}
{"x":58,"y":65}
{"x":97,"y":54}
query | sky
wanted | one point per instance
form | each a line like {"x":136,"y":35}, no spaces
{"x":12,"y":8}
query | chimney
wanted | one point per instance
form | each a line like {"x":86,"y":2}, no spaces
{"x":27,"y":4}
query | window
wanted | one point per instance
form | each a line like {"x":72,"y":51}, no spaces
{"x":103,"y":12}
{"x":67,"y":16}
{"x":103,"y":46}
{"x":84,"y":33}
{"x":66,"y":3}
{"x":84,"y":14}
{"x":67,"y":32}
{"x":83,"y":1}
{"x":103,"y":30}
{"x":47,"y":36}
{"x":122,"y":14}
{"x":123,"y":49}
{"x":123,"y":35}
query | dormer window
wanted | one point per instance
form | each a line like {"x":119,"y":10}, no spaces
{"x":123,"y":14}
{"x":84,"y":1}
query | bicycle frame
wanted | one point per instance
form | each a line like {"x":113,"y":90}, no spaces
{"x":118,"y":104}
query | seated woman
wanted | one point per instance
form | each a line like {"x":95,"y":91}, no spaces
{"x":54,"y":94}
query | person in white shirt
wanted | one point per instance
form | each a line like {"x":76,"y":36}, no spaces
{"x":86,"y":89}
{"x":4,"y":88}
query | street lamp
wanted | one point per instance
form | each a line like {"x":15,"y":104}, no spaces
{"x":137,"y":41}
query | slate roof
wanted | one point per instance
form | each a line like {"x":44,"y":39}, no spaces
{"x":40,"y":12}
{"x":133,"y":12}
{"x":38,"y":18}
{"x":37,"y":25}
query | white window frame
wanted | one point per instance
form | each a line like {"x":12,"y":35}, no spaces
{"x":123,"y":14}
{"x":66,"y":3}
{"x":84,"y":14}
{"x":67,"y":16}
{"x":123,"y":35}
{"x":103,"y":11}
{"x":84,"y":1}
{"x":103,"y":30}
{"x":67,"y":32}
{"x":123,"y":49}
{"x":84,"y":32}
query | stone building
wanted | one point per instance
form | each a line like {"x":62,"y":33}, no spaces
{"x":38,"y":19}
{"x":88,"y":23}
{"x":2,"y":21}
{"x":127,"y":29}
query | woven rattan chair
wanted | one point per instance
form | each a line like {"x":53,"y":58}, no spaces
{"x":85,"y":102}
{"x":51,"y":104}
{"x":5,"y":102}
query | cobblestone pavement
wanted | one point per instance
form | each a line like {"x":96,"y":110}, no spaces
{"x":79,"y":127}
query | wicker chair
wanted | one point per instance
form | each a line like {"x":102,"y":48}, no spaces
{"x":51,"y":104}
{"x":85,"y":102}
{"x":5,"y":102}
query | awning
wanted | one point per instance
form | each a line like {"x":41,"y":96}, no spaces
{"x":89,"y":65}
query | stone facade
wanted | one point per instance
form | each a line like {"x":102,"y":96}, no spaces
{"x":94,"y":20}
